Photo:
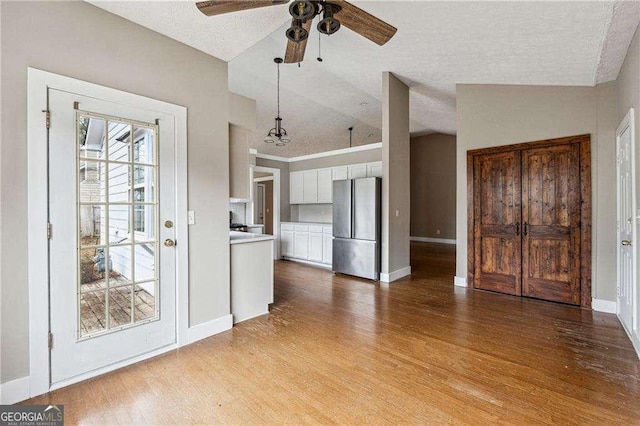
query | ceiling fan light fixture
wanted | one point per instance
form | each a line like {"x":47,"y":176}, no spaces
{"x":329,"y":25}
{"x":302,"y":10}
{"x":297,"y":33}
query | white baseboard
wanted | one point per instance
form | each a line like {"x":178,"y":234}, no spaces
{"x":460,"y":281}
{"x":433,"y":240}
{"x":14,"y":391}
{"x":395,"y":275}
{"x":602,"y":305}
{"x":308,"y":262}
{"x":209,"y":328}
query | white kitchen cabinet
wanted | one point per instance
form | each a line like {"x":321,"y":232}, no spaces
{"x":327,"y":249}
{"x":315,"y":247}
{"x":357,"y":171}
{"x":374,"y":169}
{"x":310,"y":186}
{"x":301,"y":245}
{"x":325,"y":186}
{"x":296,"y":188}
{"x":340,"y":173}
{"x":287,"y":242}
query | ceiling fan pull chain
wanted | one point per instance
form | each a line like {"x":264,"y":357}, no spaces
{"x":319,"y":48}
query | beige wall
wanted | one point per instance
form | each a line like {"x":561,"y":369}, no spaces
{"x":285,"y":213}
{"x":628,"y":90}
{"x":242,"y":111}
{"x":368,"y":156}
{"x":433,"y":186}
{"x":493,"y":115}
{"x":396,"y":186}
{"x":78,"y":40}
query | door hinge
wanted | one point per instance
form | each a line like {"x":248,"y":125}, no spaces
{"x":47,"y":115}
{"x":49,"y":230}
{"x":50,"y":338}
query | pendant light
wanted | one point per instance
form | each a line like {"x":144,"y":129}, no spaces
{"x":278,"y":134}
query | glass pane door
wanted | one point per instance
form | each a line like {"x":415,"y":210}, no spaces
{"x":117,"y":175}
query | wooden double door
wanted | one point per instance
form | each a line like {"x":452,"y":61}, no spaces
{"x":527,"y":213}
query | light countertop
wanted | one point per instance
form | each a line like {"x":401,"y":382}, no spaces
{"x":236,"y":237}
{"x":311,"y":223}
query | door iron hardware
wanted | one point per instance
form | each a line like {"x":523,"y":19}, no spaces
{"x":626,"y":242}
{"x":525,"y":229}
{"x":518,"y":228}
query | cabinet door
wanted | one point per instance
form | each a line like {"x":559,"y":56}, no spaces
{"x":296,"y":188}
{"x":325,"y":186}
{"x":374,"y":169}
{"x":315,"y":247}
{"x":340,"y":173}
{"x":310,"y":186}
{"x":286,"y":243}
{"x":301,"y":245}
{"x":357,"y":171}
{"x":327,"y":249}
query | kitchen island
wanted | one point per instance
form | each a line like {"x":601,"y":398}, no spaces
{"x":251,"y":274}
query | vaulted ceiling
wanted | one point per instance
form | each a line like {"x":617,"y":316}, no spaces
{"x":438,"y":45}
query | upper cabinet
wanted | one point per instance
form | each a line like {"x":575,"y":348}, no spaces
{"x":325,"y":186}
{"x":296,"y":188}
{"x":316,"y":186}
{"x":239,"y":163}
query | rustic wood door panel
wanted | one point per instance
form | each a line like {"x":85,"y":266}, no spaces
{"x":551,"y":223}
{"x":497,"y":187}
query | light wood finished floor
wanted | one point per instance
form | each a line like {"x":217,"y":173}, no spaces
{"x":342,"y":350}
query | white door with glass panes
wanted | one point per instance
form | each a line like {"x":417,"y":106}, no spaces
{"x":112,"y":255}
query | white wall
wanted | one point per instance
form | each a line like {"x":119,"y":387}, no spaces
{"x":78,"y":40}
{"x":494,"y":115}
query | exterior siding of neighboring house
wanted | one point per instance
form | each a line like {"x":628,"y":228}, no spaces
{"x":124,"y":182}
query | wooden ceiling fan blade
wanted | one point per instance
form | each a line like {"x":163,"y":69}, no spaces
{"x":219,"y":7}
{"x":295,"y":51}
{"x":364,"y":23}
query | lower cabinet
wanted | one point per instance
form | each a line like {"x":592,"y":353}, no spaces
{"x":301,"y":245}
{"x":286,"y":243}
{"x":307,"y":242}
{"x":315,"y":247}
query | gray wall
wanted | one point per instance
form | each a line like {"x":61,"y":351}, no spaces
{"x":433,"y":186}
{"x":396,"y":185}
{"x":494,"y":115}
{"x":285,"y":211}
{"x":368,"y":156}
{"x":78,"y":40}
{"x":628,"y":89}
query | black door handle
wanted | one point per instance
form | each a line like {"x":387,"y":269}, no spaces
{"x":525,"y":229}
{"x":518,"y":228}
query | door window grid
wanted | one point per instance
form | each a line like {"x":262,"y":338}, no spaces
{"x":125,"y":168}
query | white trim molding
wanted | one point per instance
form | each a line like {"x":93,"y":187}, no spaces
{"x":358,"y":148}
{"x":395,"y":275}
{"x":38,"y":82}
{"x":15,"y":391}
{"x":433,"y":240}
{"x":601,"y":305}
{"x":210,"y":328}
{"x":460,"y":282}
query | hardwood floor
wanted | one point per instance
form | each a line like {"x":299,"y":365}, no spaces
{"x":337,"y":349}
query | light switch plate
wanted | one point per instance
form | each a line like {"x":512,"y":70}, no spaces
{"x":191,"y":217}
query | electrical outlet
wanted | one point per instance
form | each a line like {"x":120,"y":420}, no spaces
{"x":191,"y":217}
{"x":397,"y":213}
{"x":437,"y":231}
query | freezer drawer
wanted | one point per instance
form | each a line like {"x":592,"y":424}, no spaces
{"x":356,"y":257}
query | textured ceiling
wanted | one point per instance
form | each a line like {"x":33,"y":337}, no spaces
{"x":438,"y":44}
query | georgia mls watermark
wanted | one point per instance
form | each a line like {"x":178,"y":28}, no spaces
{"x":31,"y":415}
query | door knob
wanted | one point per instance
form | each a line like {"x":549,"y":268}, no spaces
{"x":169,"y":242}
{"x":626,"y":242}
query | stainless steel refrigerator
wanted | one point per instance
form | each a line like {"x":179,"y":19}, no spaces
{"x":356,"y":227}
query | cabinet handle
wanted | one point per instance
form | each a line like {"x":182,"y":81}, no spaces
{"x":525,"y":229}
{"x":518,"y":228}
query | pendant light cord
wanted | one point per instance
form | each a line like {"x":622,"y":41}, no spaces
{"x":278,"y":65}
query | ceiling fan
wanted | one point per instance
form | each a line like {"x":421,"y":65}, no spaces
{"x":335,"y":13}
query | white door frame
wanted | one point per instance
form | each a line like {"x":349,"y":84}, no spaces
{"x":276,"y":204}
{"x":38,"y":83}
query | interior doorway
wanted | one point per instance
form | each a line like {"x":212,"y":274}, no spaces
{"x":266,"y":202}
